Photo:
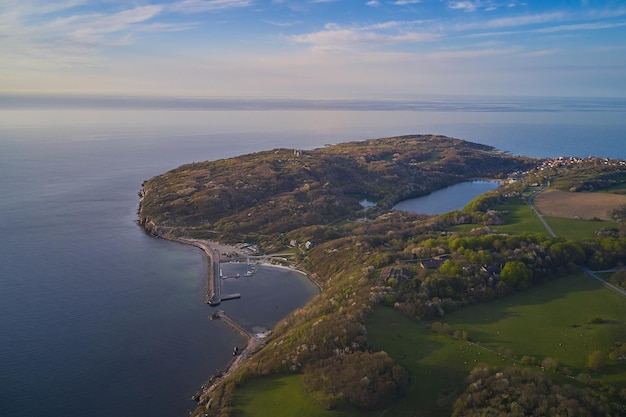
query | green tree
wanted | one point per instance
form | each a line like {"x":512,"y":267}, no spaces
{"x":619,"y":278}
{"x":516,"y":274}
{"x":595,"y":361}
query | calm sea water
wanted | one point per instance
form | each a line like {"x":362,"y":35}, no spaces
{"x":96,"y":318}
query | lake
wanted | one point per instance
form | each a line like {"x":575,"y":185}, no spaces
{"x":454,"y":197}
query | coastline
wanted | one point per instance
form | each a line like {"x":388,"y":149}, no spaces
{"x":212,"y":249}
{"x":254,"y":341}
{"x":203,"y":396}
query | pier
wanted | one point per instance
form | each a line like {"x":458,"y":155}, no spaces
{"x":214,"y":294}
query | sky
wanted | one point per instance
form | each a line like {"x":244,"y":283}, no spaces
{"x":314,"y":48}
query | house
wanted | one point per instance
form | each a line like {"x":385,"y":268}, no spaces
{"x":431,"y":263}
{"x":399,"y":274}
{"x":491,"y":270}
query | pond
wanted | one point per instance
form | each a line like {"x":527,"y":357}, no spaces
{"x":454,"y":197}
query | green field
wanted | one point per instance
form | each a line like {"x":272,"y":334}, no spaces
{"x":549,"y":320}
{"x":518,"y":218}
{"x":578,"y":229}
{"x":284,"y":396}
{"x":438,"y":364}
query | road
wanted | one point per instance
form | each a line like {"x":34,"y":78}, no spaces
{"x":539,"y":215}
{"x":606,"y":283}
{"x":587,"y":270}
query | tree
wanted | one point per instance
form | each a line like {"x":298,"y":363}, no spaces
{"x":619,"y":278}
{"x":550,"y":363}
{"x":516,"y":274}
{"x":619,"y":213}
{"x":595,"y":361}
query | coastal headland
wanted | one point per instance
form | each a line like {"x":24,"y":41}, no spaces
{"x":368,"y":258}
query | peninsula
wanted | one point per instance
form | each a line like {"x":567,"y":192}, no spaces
{"x":379,"y":337}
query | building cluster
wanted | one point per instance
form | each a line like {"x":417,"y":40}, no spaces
{"x":294,"y":244}
{"x":569,"y":161}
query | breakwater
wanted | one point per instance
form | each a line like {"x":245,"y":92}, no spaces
{"x":214,"y":294}
{"x":254,"y":342}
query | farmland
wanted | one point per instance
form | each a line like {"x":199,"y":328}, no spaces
{"x":583,"y":205}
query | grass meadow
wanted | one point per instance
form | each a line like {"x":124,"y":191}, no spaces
{"x":578,"y":229}
{"x":549,"y":320}
{"x":284,"y":396}
{"x":438,"y":364}
{"x":518,"y":218}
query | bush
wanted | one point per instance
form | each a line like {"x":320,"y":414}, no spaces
{"x":366,"y":380}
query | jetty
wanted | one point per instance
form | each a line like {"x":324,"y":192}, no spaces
{"x":214,"y":294}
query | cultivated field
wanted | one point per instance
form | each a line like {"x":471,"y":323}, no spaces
{"x":557,"y":203}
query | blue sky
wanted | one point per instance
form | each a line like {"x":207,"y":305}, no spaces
{"x":314,"y":48}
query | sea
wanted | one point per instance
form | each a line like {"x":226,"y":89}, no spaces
{"x":96,"y":317}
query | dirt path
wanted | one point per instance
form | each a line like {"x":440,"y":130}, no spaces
{"x":531,"y":203}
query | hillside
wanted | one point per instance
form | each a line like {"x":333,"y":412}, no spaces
{"x":281,"y":190}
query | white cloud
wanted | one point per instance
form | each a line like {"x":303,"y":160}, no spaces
{"x":336,"y":37}
{"x":466,"y":54}
{"x":582,"y":26}
{"x":32,"y":40}
{"x":283,"y":24}
{"x":526,"y":20}
{"x":392,"y":24}
{"x":472,"y":6}
{"x":466,"y":6}
{"x":167,"y":27}
{"x":549,"y":19}
{"x":39,"y":7}
{"x":198,"y":6}
{"x":510,"y":22}
{"x":373,"y":3}
{"x":121,"y":20}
